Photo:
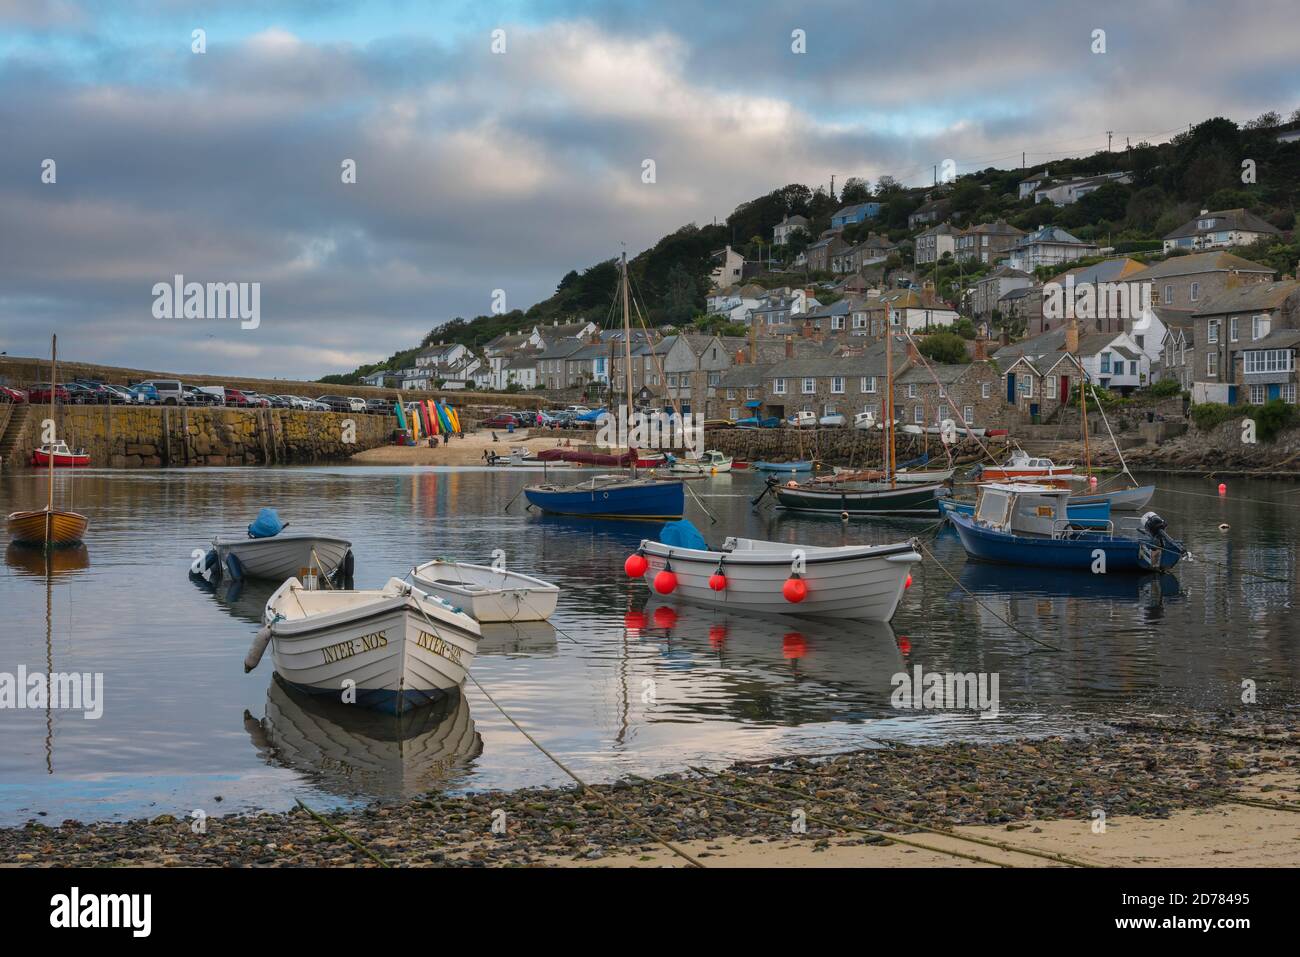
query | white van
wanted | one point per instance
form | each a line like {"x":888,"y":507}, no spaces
{"x":169,"y":391}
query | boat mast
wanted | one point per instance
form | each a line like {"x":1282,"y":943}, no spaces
{"x":1083,"y":416}
{"x":54,"y":388}
{"x":889,"y":393}
{"x":627,"y":349}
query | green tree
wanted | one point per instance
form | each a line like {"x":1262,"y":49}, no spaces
{"x":946,"y":348}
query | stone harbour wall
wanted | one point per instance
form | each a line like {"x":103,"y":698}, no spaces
{"x":842,"y":446}
{"x":164,"y":436}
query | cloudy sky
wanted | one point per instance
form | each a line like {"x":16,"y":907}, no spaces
{"x":479,"y":171}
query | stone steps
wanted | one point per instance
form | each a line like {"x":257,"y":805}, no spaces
{"x":11,"y":430}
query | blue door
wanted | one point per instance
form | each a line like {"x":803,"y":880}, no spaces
{"x":1232,"y":395}
{"x":1011,"y":387}
{"x":1274,"y":392}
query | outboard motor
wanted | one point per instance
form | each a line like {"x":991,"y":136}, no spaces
{"x":1154,"y":524}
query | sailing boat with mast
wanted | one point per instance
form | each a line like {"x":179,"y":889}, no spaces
{"x":48,"y":527}
{"x":846,"y":498}
{"x":615,"y":496}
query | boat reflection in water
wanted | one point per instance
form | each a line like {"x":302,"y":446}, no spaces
{"x":518,"y":638}
{"x":357,"y":752}
{"x":1004,"y":581}
{"x":243,"y":599}
{"x":838,"y":668}
{"x":38,"y":562}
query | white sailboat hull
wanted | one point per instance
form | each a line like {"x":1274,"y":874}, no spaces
{"x":398,"y":647}
{"x":286,"y":555}
{"x":488,"y":594}
{"x":858,"y":581}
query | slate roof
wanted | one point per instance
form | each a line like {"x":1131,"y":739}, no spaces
{"x":1217,"y":260}
{"x":1252,"y":296}
{"x":1225,"y":219}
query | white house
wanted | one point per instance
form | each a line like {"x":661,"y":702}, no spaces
{"x":1115,"y":362}
{"x":1222,"y":227}
{"x":1048,"y":246}
{"x":782,"y":230}
{"x":730,"y":268}
{"x":1065,"y":192}
{"x":907,"y":310}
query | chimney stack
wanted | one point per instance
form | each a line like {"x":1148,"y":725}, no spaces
{"x":1072,"y":337}
{"x":913,"y":353}
{"x":789,"y":347}
{"x":740,"y":357}
{"x":1004,"y":337}
{"x":981,"y":347}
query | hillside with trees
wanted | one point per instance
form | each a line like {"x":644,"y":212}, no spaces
{"x":1204,"y":167}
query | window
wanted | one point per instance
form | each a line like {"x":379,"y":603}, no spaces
{"x":1232,"y":329}
{"x":1105,"y":363}
{"x":1169,"y":294}
{"x":1026,"y":387}
{"x":778,"y":386}
{"x":968,"y":414}
{"x":1214,"y":330}
{"x":809,"y":386}
{"x":942,"y":394}
{"x":985,"y":389}
{"x":1268,"y":360}
{"x":750,"y":393}
{"x":911,"y":390}
{"x":715,"y":378}
{"x":1049,"y":385}
{"x":868,"y":384}
{"x":1259,"y":326}
{"x":828,"y":409}
{"x":859,"y":321}
{"x":672,"y":380}
{"x":1211,"y":363}
{"x":837,"y":384}
{"x":918,"y":414}
{"x":731,"y":393}
{"x":1133,"y":367}
{"x":1257,"y":395}
{"x":837,"y":322}
{"x":1196,"y":292}
{"x":733,"y":413}
{"x":1288,"y":393}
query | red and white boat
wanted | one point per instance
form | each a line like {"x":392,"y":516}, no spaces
{"x":64,"y":457}
{"x":651,"y":460}
{"x":1022,"y":467}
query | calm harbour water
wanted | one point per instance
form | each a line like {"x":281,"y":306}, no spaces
{"x":621,"y":683}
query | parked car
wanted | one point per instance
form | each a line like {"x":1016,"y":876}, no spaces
{"x":502,"y":420}
{"x":40,"y":393}
{"x":120,"y":394}
{"x":278,"y":401}
{"x":144,"y":393}
{"x":257,"y":400}
{"x":217,"y":394}
{"x":318,"y":406}
{"x":89,"y":392}
{"x":16,"y":396}
{"x":379,"y":406}
{"x":170,"y":391}
{"x":196,"y":396}
{"x":236,"y":397}
{"x":337,"y":403}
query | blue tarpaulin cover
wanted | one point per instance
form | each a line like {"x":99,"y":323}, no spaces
{"x":265,"y":525}
{"x":682,"y":534}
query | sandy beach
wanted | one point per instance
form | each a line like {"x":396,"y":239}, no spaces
{"x":466,"y":451}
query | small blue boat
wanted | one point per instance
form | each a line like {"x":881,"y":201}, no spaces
{"x":1029,"y":525}
{"x":1088,"y":513}
{"x":803,"y":465}
{"x":611,"y":496}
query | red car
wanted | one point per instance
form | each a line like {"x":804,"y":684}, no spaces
{"x":12,"y":395}
{"x":235,"y":397}
{"x":502,"y":420}
{"x":40,"y":393}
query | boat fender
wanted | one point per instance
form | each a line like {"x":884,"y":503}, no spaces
{"x":718,"y":580}
{"x":1223,"y":526}
{"x":636,"y":564}
{"x":666,"y":581}
{"x":211,"y":565}
{"x":348,"y":565}
{"x":234,"y":567}
{"x":258,"y":648}
{"x":795,"y":589}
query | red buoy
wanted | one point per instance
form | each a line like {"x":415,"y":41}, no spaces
{"x":1223,"y":489}
{"x":795,"y":589}
{"x":718,"y":581}
{"x":665,"y":582}
{"x":636,"y":565}
{"x":908,"y":584}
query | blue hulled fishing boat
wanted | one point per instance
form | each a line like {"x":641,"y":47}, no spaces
{"x":611,"y":496}
{"x":1086,"y":513}
{"x":1030,"y":525}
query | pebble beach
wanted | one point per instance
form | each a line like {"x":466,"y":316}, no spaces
{"x":954,"y":805}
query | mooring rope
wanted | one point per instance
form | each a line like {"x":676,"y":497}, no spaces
{"x":587,"y":788}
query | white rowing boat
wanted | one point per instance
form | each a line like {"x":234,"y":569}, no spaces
{"x":281,"y":556}
{"x":712,"y":461}
{"x":393,"y":648}
{"x":849,"y":581}
{"x":488,"y":594}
